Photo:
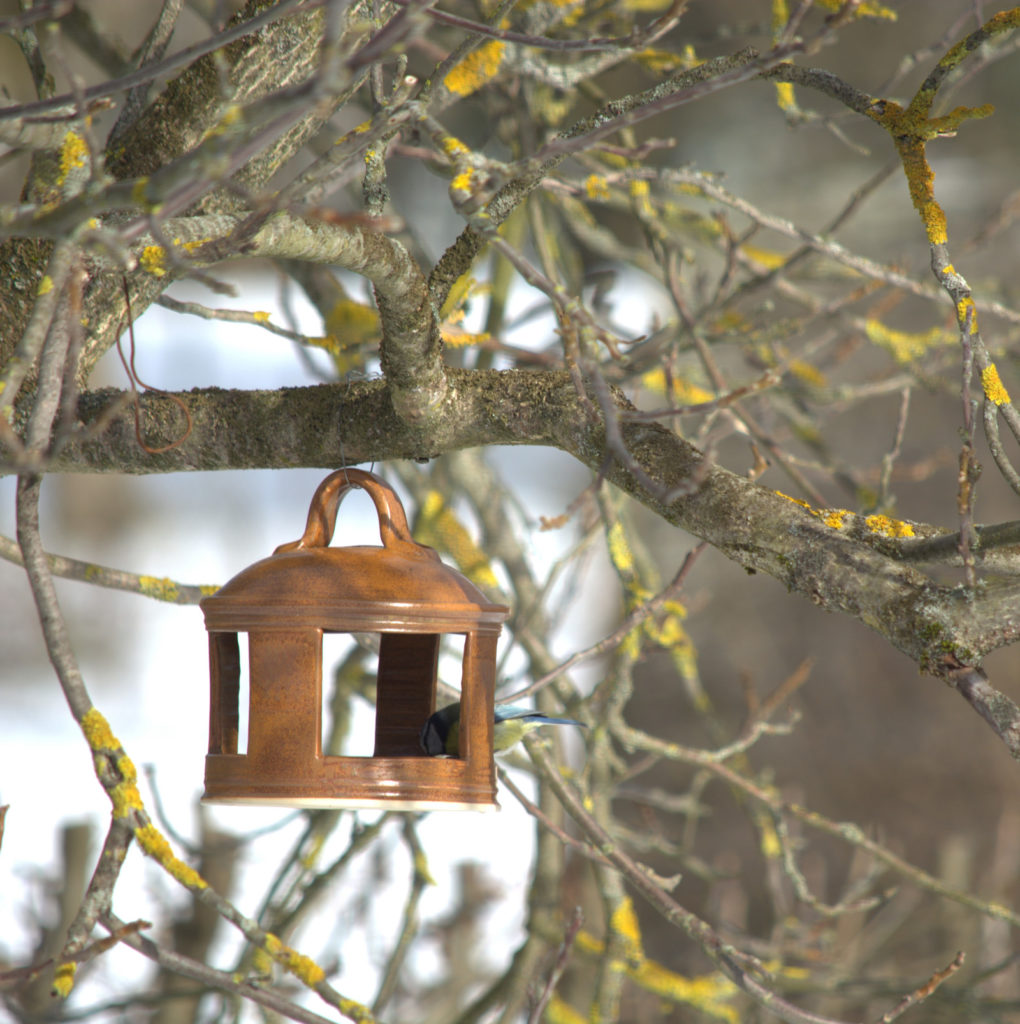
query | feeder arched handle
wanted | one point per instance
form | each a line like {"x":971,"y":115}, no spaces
{"x":322,"y":512}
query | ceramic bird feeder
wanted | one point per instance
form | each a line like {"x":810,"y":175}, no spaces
{"x":285,"y":604}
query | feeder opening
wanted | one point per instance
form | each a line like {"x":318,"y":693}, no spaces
{"x":379,"y":690}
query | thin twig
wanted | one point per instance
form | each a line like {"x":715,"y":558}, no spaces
{"x":225,"y":981}
{"x":160,"y":589}
{"x":607,"y":643}
{"x":562,"y":959}
{"x":920,"y":994}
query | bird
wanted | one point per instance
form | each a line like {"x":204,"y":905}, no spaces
{"x":441,"y":732}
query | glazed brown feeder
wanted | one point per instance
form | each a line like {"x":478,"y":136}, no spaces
{"x":285,"y":604}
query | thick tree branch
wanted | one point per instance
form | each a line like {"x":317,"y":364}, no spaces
{"x":938,"y":627}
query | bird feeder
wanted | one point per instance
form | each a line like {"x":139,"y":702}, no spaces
{"x":285,"y":603}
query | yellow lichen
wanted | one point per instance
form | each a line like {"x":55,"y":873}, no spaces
{"x":63,"y":979}
{"x":867,"y":9}
{"x":619,"y":549}
{"x":908,"y":130}
{"x":476,"y":68}
{"x":995,"y":390}
{"x":780,"y":16}
{"x":164,"y":589}
{"x":452,"y":146}
{"x":151,"y":840}
{"x":708,"y":993}
{"x":684,"y":391}
{"x":640,"y":192}
{"x":796,"y":501}
{"x":839,"y":518}
{"x":911,"y":129}
{"x":596,"y":186}
{"x":921,"y":185}
{"x":302,"y":967}
{"x":889,"y":527}
{"x":233,"y":114}
{"x":574,"y":9}
{"x":260,"y":316}
{"x":771,"y":848}
{"x":777,"y":967}
{"x":905,"y":346}
{"x":835,"y":518}
{"x":153,"y":260}
{"x":456,"y":338}
{"x":807,"y":373}
{"x":999,"y":910}
{"x":358,"y":130}
{"x":421,"y":869}
{"x":261,"y":963}
{"x":194,"y":244}
{"x":353,"y":323}
{"x":127,"y":769}
{"x":666,"y":62}
{"x":98,"y":733}
{"x":126,"y":798}
{"x":460,"y":291}
{"x":731,"y":320}
{"x":616,"y":160}
{"x":687,"y":393}
{"x":559,"y":1012}
{"x":74,"y":153}
{"x":684,"y":656}
{"x":352,"y":326}
{"x":669,"y":632}
{"x":45,"y":285}
{"x":768,"y":258}
{"x":310,"y":858}
{"x":624,"y":923}
{"x":966,"y":315}
{"x":438,"y":524}
{"x":784,"y":96}
{"x":645,"y":6}
{"x":462,"y":182}
{"x":630,"y":646}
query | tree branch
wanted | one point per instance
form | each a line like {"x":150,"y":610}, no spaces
{"x":757,"y":527}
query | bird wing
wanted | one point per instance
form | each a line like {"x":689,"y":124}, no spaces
{"x":504,"y":712}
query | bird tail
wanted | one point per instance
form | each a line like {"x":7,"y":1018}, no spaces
{"x":547,"y":720}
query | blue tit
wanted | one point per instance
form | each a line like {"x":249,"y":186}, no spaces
{"x":441,"y":733}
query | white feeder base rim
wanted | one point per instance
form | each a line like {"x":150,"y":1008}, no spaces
{"x":317,"y":802}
